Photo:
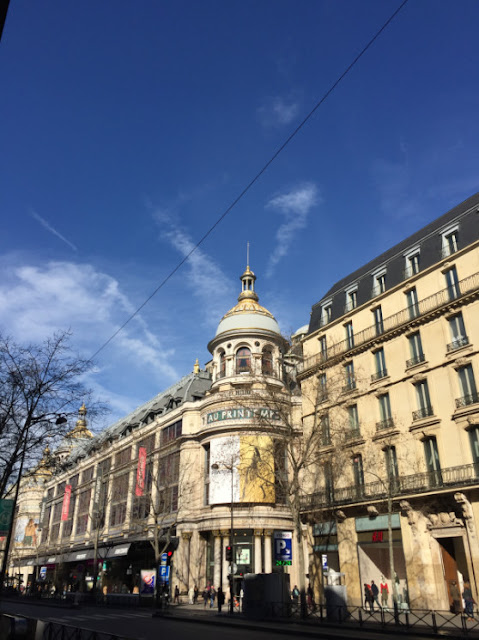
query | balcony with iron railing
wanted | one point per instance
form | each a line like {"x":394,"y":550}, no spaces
{"x":465,"y":401}
{"x":457,"y":343}
{"x":387,"y":423}
{"x":415,"y":360}
{"x":451,"y":479}
{"x":379,"y":374}
{"x":423,"y":412}
{"x":427,"y":305}
{"x":350,"y":385}
{"x":353,"y":433}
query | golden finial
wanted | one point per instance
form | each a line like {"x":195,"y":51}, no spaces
{"x":196,"y":368}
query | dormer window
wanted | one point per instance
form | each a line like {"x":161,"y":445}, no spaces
{"x":351,"y":299}
{"x":326,"y":313}
{"x":411,"y":266}
{"x":379,"y":282}
{"x":243,"y":360}
{"x":450,"y":241}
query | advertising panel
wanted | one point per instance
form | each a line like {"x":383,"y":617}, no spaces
{"x":147,"y":581}
{"x":241,"y":469}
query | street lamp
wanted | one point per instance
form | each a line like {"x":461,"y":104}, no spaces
{"x":230,"y":468}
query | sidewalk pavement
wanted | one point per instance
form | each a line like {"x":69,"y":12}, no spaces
{"x":302,"y":628}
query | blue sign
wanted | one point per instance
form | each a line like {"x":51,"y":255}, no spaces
{"x":164,"y":574}
{"x":164,"y":558}
{"x":283,"y":545}
{"x":43,"y":573}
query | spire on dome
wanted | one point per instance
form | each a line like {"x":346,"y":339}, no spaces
{"x":248,"y":279}
{"x":80,"y":430}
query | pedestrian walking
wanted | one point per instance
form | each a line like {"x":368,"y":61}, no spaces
{"x":206,"y":597}
{"x":468,"y":600}
{"x":177,"y":595}
{"x":195,"y":594}
{"x":220,"y":598}
{"x":212,"y":597}
{"x":375,"y":592}
{"x":368,"y":598}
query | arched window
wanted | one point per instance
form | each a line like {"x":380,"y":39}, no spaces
{"x":267,"y":363}
{"x":243,"y":360}
{"x":222,"y":371}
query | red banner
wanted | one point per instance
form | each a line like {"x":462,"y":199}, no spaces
{"x":66,"y":501}
{"x":140,"y":472}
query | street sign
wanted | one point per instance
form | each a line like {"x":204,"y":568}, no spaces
{"x":232,"y":568}
{"x":164,"y":574}
{"x":164,"y":558}
{"x":283,"y":546}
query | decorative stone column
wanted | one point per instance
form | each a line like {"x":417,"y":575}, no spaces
{"x":258,"y":561}
{"x":268,"y":551}
{"x":217,"y":559}
{"x":186,"y":556}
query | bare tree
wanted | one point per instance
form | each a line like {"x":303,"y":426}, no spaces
{"x":158,"y":504}
{"x":40,"y":388}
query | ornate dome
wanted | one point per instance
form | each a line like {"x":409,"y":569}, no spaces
{"x":248,"y":314}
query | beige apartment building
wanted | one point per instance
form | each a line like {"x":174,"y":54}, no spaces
{"x":390,"y":366}
{"x":180,"y":465}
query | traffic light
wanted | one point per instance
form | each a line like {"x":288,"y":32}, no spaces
{"x":229,"y":553}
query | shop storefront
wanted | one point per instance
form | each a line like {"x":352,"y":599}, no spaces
{"x":374,"y":559}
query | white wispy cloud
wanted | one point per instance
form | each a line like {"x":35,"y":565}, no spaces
{"x":201,"y":268}
{"x":39,"y":299}
{"x":294,"y":206}
{"x":278,"y":111}
{"x":49,"y":227}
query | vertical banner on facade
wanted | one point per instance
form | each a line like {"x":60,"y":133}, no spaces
{"x":6,"y":515}
{"x":140,"y":472}
{"x":96,"y":495}
{"x":66,"y":501}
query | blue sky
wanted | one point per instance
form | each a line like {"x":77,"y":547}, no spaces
{"x":128,"y":128}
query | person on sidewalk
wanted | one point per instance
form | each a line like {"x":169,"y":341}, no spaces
{"x":220,"y":598}
{"x":468,"y":600}
{"x":368,"y":598}
{"x":375,"y":592}
{"x":206,"y":597}
{"x":212,"y":597}
{"x":177,"y":595}
{"x":195,"y":594}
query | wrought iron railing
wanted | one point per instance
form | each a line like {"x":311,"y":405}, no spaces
{"x":465,"y":401}
{"x":388,"y":423}
{"x":450,"y":478}
{"x":425,"y":306}
{"x":415,"y":360}
{"x":350,"y":385}
{"x":459,"y":342}
{"x":352,"y":434}
{"x":379,"y":374}
{"x":423,"y":412}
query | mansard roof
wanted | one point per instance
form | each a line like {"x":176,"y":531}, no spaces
{"x":428,"y":239}
{"x":188,"y":389}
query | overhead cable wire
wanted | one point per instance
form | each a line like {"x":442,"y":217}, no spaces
{"x":257,"y":176}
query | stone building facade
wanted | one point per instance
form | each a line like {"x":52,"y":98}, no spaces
{"x":390,"y":363}
{"x":176,"y":472}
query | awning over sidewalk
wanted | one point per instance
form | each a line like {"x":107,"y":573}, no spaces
{"x":118,"y":551}
{"x":79,"y":556}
